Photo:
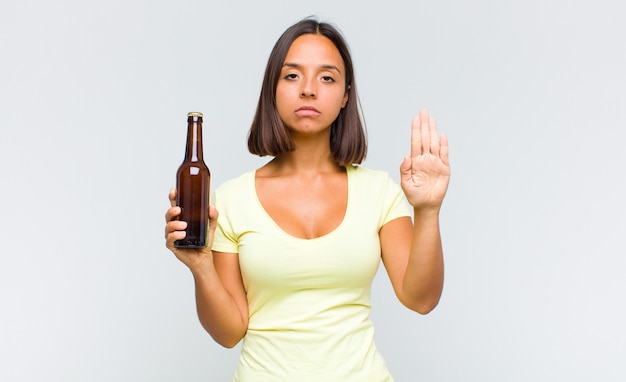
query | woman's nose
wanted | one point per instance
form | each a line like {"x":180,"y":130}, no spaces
{"x":308,"y":89}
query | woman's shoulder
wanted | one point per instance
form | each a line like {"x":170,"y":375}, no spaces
{"x":375,"y":181}
{"x":368,"y":174}
{"x":237,"y":183}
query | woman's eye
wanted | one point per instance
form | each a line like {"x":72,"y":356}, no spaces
{"x":291,"y":76}
{"x":328,"y":79}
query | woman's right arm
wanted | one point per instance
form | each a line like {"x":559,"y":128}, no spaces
{"x":220,"y":295}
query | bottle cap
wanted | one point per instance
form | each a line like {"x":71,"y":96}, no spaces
{"x":194,"y":114}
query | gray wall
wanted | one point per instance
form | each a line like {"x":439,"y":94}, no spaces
{"x":93,"y":101}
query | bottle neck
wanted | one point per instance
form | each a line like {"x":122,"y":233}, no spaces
{"x":194,"y":151}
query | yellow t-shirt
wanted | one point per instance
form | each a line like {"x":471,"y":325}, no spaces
{"x":309,"y":300}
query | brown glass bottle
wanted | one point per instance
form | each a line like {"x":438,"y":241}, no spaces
{"x":193,"y":186}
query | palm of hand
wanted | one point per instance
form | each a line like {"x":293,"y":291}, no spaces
{"x":425,"y":174}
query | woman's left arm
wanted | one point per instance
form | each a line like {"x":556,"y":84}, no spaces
{"x":412,"y":252}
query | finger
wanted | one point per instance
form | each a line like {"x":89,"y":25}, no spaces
{"x":425,"y":131}
{"x":213,"y":214}
{"x":174,"y":231}
{"x":443,"y":151}
{"x":175,"y":226}
{"x":212,"y":217}
{"x":172,"y":213}
{"x":405,"y":166}
{"x":172,"y":237}
{"x":416,"y":138}
{"x":172,"y":196}
{"x":434,"y":139}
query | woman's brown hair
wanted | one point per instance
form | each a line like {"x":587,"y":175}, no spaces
{"x":269,"y":136}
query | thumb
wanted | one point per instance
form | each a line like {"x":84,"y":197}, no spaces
{"x":405,"y":166}
{"x":213,"y":214}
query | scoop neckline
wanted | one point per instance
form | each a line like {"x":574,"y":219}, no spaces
{"x":282,"y":232}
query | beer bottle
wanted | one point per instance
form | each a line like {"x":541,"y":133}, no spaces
{"x":192,"y":187}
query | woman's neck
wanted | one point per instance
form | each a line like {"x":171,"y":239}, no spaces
{"x":305,"y":161}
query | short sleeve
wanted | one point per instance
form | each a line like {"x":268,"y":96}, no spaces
{"x":395,"y":203}
{"x":225,"y":239}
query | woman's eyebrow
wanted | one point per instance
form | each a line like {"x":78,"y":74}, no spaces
{"x":323,"y":66}
{"x":332,"y":67}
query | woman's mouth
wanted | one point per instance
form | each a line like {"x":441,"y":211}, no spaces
{"x":307,"y":111}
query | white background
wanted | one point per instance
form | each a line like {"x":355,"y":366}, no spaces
{"x":93,"y":103}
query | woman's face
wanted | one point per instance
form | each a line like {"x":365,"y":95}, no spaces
{"x":311,"y":88}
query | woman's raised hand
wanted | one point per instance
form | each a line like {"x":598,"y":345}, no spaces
{"x":175,"y":230}
{"x":425,"y":174}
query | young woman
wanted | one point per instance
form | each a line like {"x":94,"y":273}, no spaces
{"x":299,"y":240}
